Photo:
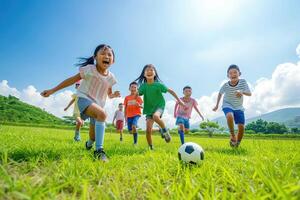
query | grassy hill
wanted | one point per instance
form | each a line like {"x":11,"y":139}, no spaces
{"x":15,"y":111}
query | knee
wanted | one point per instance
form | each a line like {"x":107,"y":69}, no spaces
{"x":181,"y":127}
{"x":229,"y":116}
{"x":133,"y":128}
{"x":101,"y":116}
{"x":156,"y":117}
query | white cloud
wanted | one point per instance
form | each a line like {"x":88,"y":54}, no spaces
{"x":298,"y":50}
{"x":268,"y":94}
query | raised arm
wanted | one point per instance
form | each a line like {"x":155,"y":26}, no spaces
{"x":197,"y":110}
{"x":64,"y":84}
{"x":175,"y":96}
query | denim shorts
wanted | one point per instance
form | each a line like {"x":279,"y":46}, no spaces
{"x":132,"y":121}
{"x":184,"y":121}
{"x":83,"y":104}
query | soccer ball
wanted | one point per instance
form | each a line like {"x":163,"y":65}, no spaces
{"x":190,"y":152}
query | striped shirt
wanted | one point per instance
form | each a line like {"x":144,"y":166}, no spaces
{"x":230,"y":99}
{"x":94,"y":86}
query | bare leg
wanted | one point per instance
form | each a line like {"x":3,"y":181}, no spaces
{"x":241,"y":130}
{"x":149,"y":131}
{"x":230,"y":124}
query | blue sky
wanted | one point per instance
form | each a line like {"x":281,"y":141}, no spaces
{"x":190,"y":42}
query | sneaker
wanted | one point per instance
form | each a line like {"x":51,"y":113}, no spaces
{"x":77,"y":139}
{"x":167,"y":136}
{"x":151,"y":147}
{"x":88,"y":147}
{"x":100,"y":154}
{"x":121,"y":139}
{"x":161,"y":133}
{"x":237,"y":144}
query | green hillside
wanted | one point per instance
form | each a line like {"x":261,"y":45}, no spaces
{"x":15,"y":111}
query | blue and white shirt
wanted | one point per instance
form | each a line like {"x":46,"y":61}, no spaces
{"x":230,"y":99}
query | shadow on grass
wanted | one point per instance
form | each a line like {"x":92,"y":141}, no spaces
{"x":29,"y":155}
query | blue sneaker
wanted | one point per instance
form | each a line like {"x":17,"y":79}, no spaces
{"x":77,"y":139}
{"x":167,"y":136}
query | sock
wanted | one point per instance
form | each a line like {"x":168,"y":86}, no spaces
{"x":135,"y":136}
{"x":90,"y":143}
{"x":151,"y":146}
{"x":181,"y":135}
{"x":99,"y":135}
{"x":77,"y":133}
{"x":163,"y":130}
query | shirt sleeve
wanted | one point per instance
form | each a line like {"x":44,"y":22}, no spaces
{"x":125,"y":101}
{"x":112,"y":80}
{"x":246,"y":87}
{"x":163,"y":88}
{"x":83,"y":71}
{"x":222,"y":90}
{"x":195,"y":103}
{"x":141,"y":89}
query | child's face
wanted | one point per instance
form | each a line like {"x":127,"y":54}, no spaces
{"x":149,"y":73}
{"x":233,"y":74}
{"x":133,"y":89}
{"x":120,"y":107}
{"x":104,"y":58}
{"x":187,"y":92}
{"x":77,"y":86}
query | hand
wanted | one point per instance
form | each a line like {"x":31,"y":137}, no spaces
{"x":116,"y":94}
{"x":47,"y":93}
{"x":238,"y":94}
{"x":215,"y":108}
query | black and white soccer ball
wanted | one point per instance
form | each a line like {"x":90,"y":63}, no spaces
{"x":191,"y":152}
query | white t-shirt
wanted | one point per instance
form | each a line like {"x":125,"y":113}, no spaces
{"x":95,"y":86}
{"x":119,"y":115}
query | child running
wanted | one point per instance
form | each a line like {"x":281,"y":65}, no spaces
{"x":154,"y":103}
{"x":96,"y":86}
{"x":133,"y":104}
{"x":233,"y":91}
{"x":119,"y":117}
{"x":76,"y":113}
{"x":183,"y":113}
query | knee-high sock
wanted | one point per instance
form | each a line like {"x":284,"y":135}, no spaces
{"x":135,"y":137}
{"x":181,"y":135}
{"x":99,"y":135}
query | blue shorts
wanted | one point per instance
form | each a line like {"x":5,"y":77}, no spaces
{"x":184,"y":121}
{"x":238,"y":115}
{"x":132,"y":121}
{"x":83,"y":104}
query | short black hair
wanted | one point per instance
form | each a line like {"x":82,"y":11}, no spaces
{"x":120,"y":104}
{"x":133,"y":83}
{"x":187,"y":87}
{"x":233,"y":66}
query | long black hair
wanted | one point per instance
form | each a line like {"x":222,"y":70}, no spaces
{"x":142,"y":79}
{"x":90,"y":60}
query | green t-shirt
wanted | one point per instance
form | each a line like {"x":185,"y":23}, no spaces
{"x":153,"y":97}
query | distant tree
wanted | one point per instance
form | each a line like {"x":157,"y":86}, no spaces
{"x":274,"y":127}
{"x":258,"y":126}
{"x":210,"y":127}
{"x":295,"y":130}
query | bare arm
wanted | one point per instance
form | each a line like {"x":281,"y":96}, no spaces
{"x":175,"y":96}
{"x":218,"y":101}
{"x":71,"y":102}
{"x":112,"y":95}
{"x":197,"y":110}
{"x":247,"y":94}
{"x":64,"y":84}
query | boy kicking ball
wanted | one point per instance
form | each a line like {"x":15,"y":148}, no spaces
{"x":233,"y":91}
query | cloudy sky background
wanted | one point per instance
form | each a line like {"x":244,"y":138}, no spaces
{"x":191,"y":43}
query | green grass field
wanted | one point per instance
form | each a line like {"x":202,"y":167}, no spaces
{"x":41,"y":163}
